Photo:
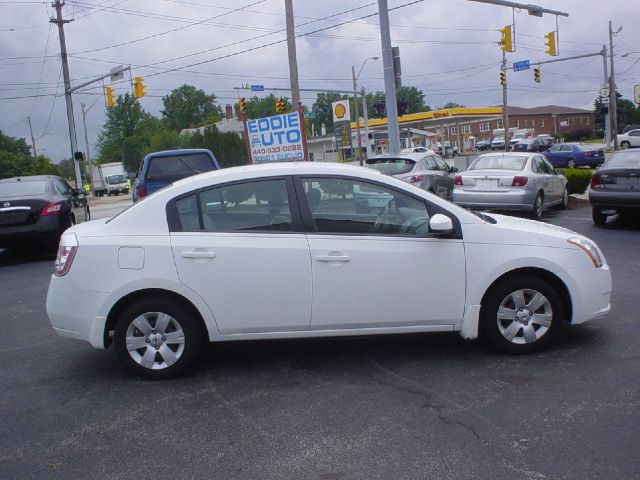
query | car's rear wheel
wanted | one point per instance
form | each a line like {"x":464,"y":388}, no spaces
{"x":157,"y":338}
{"x":565,"y":198}
{"x":571,"y":163}
{"x":538,"y":207}
{"x":598,"y":217}
{"x":520,"y":315}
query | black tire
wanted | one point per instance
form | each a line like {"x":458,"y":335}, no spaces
{"x":185,"y":353}
{"x":571,"y":163}
{"x":625,"y":145}
{"x":565,"y":199}
{"x":87,"y":214}
{"x":538,"y":207}
{"x":495,"y":331}
{"x":599,"y":218}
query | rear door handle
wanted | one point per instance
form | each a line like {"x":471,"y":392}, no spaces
{"x":198,"y":255}
{"x":333,"y":258}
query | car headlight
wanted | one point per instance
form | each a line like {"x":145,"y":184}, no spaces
{"x":588,"y":247}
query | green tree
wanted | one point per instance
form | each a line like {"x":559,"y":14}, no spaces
{"x":263,"y":107}
{"x":187,"y":106}
{"x":16,"y":159}
{"x":322,"y":110}
{"x":414,"y":98}
{"x":452,"y":105}
{"x":228,"y":147}
{"x":627,"y":112}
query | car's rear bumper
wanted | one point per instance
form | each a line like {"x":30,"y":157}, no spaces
{"x":614,"y":200}
{"x":46,"y":229}
{"x":521,"y":200}
{"x":74,"y":312}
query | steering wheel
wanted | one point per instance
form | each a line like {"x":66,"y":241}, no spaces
{"x":387,"y":220}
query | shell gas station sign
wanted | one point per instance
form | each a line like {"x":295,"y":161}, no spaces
{"x":342,"y":123}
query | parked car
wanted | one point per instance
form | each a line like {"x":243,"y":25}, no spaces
{"x":429,"y":172}
{"x":629,"y":139}
{"x":35,"y":210}
{"x":417,"y":150}
{"x":483,"y":145}
{"x":160,"y":169}
{"x":630,"y":127}
{"x":615,"y":188}
{"x":524,"y":145}
{"x":497,"y":143}
{"x":511,"y":181}
{"x":572,"y":155}
{"x":538,"y":144}
{"x":171,"y":266}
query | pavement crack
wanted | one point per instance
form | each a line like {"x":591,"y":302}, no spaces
{"x":402,"y":383}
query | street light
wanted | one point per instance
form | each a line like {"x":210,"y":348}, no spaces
{"x":364,"y":106}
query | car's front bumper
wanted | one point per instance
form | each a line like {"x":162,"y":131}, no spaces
{"x":74,"y":312}
{"x":521,"y":199}
{"x":590,"y":290}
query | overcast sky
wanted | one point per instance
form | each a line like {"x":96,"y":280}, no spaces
{"x":447,"y":49}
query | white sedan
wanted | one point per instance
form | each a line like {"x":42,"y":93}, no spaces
{"x":309,"y":250}
{"x":629,"y":139}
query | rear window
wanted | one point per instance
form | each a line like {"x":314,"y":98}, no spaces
{"x":501,"y":162}
{"x":23,"y":189}
{"x":391,"y":166}
{"x":178,"y":166}
{"x":624,"y":160}
{"x":585,"y":148}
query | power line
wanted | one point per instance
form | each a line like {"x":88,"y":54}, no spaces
{"x":53,"y":103}
{"x":46,"y":48}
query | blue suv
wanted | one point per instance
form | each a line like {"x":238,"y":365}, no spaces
{"x":159,"y":169}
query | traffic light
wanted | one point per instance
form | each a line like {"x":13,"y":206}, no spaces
{"x":506,"y":42}
{"x":503,"y":78}
{"x":397,"y":69}
{"x":242,"y":105}
{"x":109,"y":92}
{"x":379,"y":109}
{"x":280,"y":105}
{"x":536,"y":74}
{"x":139,"y":88}
{"x":551,"y":44}
{"x":403,"y":108}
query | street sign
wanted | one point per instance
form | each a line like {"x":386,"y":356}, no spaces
{"x":636,"y":94}
{"x":276,"y":139}
{"x":117,"y":73}
{"x":257,"y":88}
{"x":310,"y":115}
{"x":520,"y":66}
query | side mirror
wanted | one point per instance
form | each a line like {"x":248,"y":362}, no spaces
{"x":78,"y":192}
{"x":453,"y":169}
{"x":440,"y":224}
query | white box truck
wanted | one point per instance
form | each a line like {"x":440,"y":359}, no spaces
{"x":109,"y":179}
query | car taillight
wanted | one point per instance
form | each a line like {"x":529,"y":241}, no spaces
{"x":588,"y":154}
{"x":519,"y":181}
{"x":596,"y":181}
{"x":142,"y":191}
{"x":416,"y":179}
{"x":458,"y":180}
{"x":66,"y":253}
{"x":51,"y":209}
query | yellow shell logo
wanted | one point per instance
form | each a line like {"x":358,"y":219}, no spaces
{"x":340,"y":110}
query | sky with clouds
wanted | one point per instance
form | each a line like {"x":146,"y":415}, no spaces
{"x":448,"y":50}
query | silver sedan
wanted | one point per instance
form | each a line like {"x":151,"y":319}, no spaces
{"x":511,"y":181}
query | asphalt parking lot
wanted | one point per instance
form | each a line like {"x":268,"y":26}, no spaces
{"x":419,"y":406}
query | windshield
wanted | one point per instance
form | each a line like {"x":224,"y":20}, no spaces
{"x":22,"y":188}
{"x":119,"y":178}
{"x":498,"y":139}
{"x":624,"y":160}
{"x":499,"y":162}
{"x":391,"y":166}
{"x":179,"y":166}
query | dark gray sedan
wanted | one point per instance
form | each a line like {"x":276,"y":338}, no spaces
{"x":615,"y":188}
{"x":424,"y":170}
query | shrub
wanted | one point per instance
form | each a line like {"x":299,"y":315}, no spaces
{"x":578,"y":179}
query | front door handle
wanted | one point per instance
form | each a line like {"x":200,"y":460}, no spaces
{"x":333,"y":258}
{"x":198,"y":255}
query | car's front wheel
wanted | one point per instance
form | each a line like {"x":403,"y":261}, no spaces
{"x":520,"y":315}
{"x":157,"y":338}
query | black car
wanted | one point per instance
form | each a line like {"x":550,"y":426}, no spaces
{"x":538,"y":144}
{"x":615,"y":188}
{"x":35,"y":210}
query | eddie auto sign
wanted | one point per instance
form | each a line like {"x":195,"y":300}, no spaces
{"x":279,"y":138}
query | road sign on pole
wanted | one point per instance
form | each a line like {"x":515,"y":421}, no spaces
{"x":636,"y":94}
{"x":257,"y":88}
{"x":520,"y":66}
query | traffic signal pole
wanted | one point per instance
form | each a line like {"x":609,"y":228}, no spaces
{"x":389,"y":80}
{"x":505,"y":112}
{"x":67,"y":88}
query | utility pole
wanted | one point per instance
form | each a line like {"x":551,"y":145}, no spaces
{"x":33,"y":139}
{"x":389,"y":80}
{"x":67,"y":88}
{"x":355,"y":106}
{"x":613,"y":99}
{"x":505,"y":112}
{"x":86,"y":139}
{"x":607,"y":117}
{"x":366,"y":123}
{"x":291,"y":48}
